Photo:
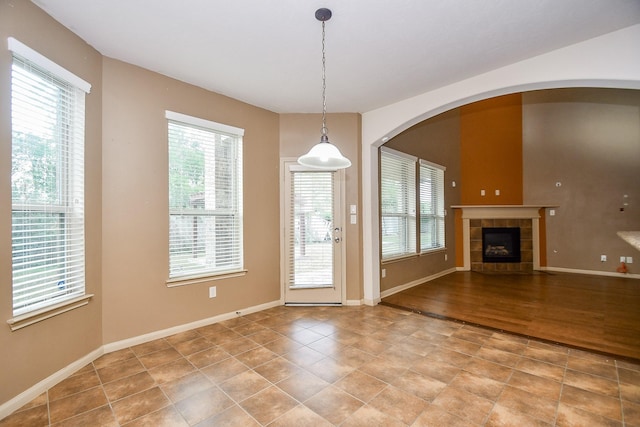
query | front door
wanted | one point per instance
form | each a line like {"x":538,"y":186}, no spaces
{"x":312,"y":235}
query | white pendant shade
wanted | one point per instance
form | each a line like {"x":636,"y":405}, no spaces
{"x":326,"y":156}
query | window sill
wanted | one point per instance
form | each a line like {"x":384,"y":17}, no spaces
{"x":399,"y":258}
{"x":36,"y":316}
{"x":183,"y":281}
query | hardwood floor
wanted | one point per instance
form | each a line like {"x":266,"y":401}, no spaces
{"x":595,"y":313}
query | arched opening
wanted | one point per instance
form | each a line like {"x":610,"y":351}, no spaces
{"x":608,"y":61}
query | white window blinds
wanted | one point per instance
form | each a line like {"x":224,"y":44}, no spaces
{"x":432,"y":212}
{"x":47,"y":183}
{"x":312,"y":221}
{"x":205,"y":197}
{"x":398,"y":203}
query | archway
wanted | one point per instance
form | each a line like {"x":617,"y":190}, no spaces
{"x":609,"y":61}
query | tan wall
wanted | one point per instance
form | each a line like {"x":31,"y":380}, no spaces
{"x":135,"y":204}
{"x":589,"y":141}
{"x":436,"y":140}
{"x":298,"y":133}
{"x":31,"y":354}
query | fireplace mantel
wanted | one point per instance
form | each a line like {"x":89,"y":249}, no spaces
{"x":501,"y":211}
{"x":474,"y":212}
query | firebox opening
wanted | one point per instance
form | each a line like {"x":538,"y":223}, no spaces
{"x":501,"y":244}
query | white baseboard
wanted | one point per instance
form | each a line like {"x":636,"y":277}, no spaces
{"x":416,"y":282}
{"x":31,"y":393}
{"x":353,"y":302}
{"x":141,"y":339}
{"x":591,"y":272}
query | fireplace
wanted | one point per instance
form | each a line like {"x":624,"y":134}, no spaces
{"x":473,"y":218}
{"x":501,"y":244}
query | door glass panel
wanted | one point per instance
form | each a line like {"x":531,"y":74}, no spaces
{"x":312,"y":222}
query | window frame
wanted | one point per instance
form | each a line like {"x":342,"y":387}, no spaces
{"x":412,"y":187}
{"x":406,"y":215}
{"x":67,"y":140}
{"x":438,"y":212}
{"x":208,"y":272}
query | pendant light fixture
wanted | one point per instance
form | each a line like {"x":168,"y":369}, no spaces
{"x":324,"y":155}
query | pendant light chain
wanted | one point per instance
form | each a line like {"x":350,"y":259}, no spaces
{"x":324,"y":87}
{"x":324,"y":155}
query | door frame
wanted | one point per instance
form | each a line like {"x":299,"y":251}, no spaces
{"x":339,"y":214}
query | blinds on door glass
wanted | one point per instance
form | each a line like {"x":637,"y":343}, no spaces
{"x":47,"y":187}
{"x":311,"y":243}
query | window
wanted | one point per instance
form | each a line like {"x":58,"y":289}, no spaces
{"x":205,"y":197}
{"x":405,"y":197}
{"x":47,"y":182}
{"x":431,"y":206}
{"x":398,"y":203}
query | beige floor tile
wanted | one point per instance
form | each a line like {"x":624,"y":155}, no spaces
{"x":399,"y":404}
{"x":222,"y":371}
{"x":140,"y":404}
{"x":127,"y":386}
{"x":368,"y":416}
{"x":120,"y":369}
{"x":188,"y":385}
{"x":158,"y":358}
{"x":333,"y":404}
{"x":165,"y":417}
{"x":74,"y":384}
{"x":436,"y":417}
{"x":535,"y":385}
{"x":301,"y":416}
{"x":203,"y":405}
{"x":597,"y":404}
{"x":171,"y":371}
{"x":419,"y":385}
{"x":244,"y":385}
{"x":303,"y":385}
{"x":503,"y":416}
{"x":102,"y":416}
{"x":208,"y":357}
{"x":525,"y":403}
{"x":75,"y":404}
{"x":478,"y":385}
{"x":464,"y":404}
{"x":361,"y":385}
{"x":347,"y":366}
{"x":33,"y":416}
{"x":277,"y":369}
{"x":569,"y":416}
{"x":268,"y":404}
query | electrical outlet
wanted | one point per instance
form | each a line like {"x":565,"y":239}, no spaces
{"x":212,"y":292}
{"x":384,"y":273}
{"x":603,"y":258}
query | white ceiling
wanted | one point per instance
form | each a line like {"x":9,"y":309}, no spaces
{"x":268,"y":52}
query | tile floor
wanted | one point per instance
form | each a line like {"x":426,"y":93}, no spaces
{"x":346,"y":366}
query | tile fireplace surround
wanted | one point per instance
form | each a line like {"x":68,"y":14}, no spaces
{"x":526,"y":217}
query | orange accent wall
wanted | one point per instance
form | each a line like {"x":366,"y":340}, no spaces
{"x":491,"y":151}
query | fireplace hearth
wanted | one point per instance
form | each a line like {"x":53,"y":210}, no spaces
{"x":501,"y":244}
